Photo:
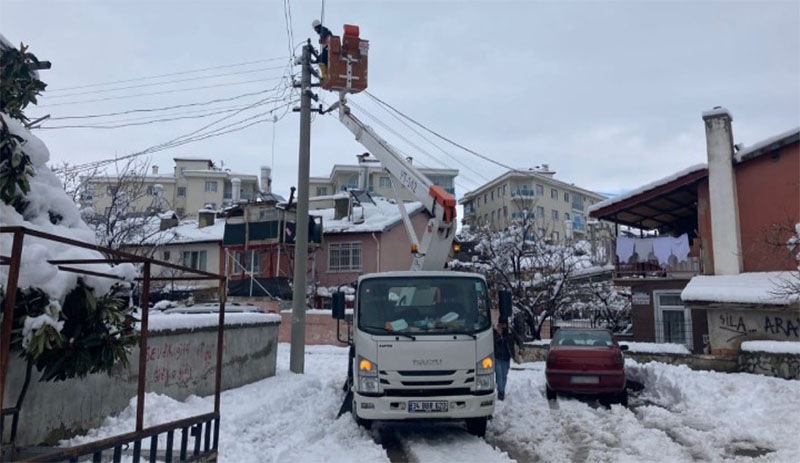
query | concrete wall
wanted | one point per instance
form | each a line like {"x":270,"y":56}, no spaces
{"x":786,"y":366}
{"x":180,"y":363}
{"x":320,"y":328}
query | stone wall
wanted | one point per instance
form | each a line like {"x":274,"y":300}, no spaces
{"x":785,"y":366}
{"x":180,"y":363}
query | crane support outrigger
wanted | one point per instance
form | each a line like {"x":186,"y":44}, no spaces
{"x":421,"y":340}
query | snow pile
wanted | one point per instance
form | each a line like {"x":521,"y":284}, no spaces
{"x":773,"y":347}
{"x":172,"y":322}
{"x":48,"y":202}
{"x":655,"y":348}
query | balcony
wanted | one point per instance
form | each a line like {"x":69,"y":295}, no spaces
{"x":522,"y":193}
{"x":668,"y":265}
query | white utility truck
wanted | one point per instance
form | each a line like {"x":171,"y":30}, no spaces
{"x":421,"y":340}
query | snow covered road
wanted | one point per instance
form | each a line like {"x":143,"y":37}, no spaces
{"x":681,"y":415}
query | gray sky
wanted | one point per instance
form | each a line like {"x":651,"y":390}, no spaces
{"x":609,"y":94}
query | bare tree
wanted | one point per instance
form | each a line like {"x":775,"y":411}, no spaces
{"x":789,"y":287}
{"x":74,"y":181}
{"x":130,"y":207}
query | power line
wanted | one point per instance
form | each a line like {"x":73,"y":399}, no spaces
{"x":245,"y":63}
{"x":153,"y":84}
{"x":436,"y":134}
{"x":150,"y":121}
{"x":391,"y":113}
{"x":160,"y":93}
{"x":163,"y":108}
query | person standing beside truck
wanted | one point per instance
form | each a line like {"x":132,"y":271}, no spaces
{"x":504,"y":350}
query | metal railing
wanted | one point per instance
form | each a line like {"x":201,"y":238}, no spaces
{"x":204,"y":448}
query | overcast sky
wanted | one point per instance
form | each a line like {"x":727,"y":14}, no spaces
{"x":609,"y":94}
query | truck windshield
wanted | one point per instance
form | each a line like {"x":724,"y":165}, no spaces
{"x":421,"y":306}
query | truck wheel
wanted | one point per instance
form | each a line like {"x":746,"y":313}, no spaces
{"x":551,"y":394}
{"x":366,"y":424}
{"x":477,"y":426}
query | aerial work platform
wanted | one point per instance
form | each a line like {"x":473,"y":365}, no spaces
{"x":347,"y":62}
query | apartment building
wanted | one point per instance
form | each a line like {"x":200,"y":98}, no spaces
{"x":378,"y":181}
{"x":559,"y":208}
{"x":194,"y":184}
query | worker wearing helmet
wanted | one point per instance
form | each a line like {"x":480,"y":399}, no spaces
{"x":324,"y":35}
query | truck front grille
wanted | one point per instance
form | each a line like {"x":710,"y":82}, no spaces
{"x":426,"y":392}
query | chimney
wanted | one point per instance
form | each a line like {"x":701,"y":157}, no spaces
{"x":725,"y":239}
{"x":341,"y":207}
{"x":155,"y":170}
{"x":266,"y":179}
{"x":205,"y":218}
{"x":236,"y":189}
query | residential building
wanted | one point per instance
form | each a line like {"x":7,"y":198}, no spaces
{"x":559,"y":208}
{"x":736,"y":213}
{"x":195,"y":183}
{"x":371,"y":177}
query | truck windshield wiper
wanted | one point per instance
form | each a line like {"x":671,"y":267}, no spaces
{"x":466,"y":333}
{"x":393,"y":332}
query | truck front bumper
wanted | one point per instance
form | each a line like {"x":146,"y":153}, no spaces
{"x":398,"y":408}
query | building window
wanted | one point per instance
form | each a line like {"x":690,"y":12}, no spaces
{"x":492,"y":216}
{"x":505,"y":211}
{"x":556,"y":236}
{"x":180,"y":212}
{"x":566,"y":216}
{"x":385,"y":182}
{"x":111,"y":190}
{"x":540,"y":212}
{"x":504,"y":190}
{"x":344,"y":256}
{"x":566,"y":197}
{"x":479,"y":202}
{"x":492,"y":195}
{"x":181,"y":191}
{"x":484,"y":198}
{"x":322,"y":191}
{"x":539,"y":190}
{"x":194,"y":259}
{"x":247,"y":261}
{"x":182,"y":171}
{"x":553,"y":193}
{"x":211,"y":185}
{"x":165,"y":255}
{"x":554,"y":214}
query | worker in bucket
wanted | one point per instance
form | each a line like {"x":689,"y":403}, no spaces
{"x":324,"y":35}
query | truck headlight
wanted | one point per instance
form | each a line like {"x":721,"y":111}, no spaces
{"x":367,"y":375}
{"x":484,"y":380}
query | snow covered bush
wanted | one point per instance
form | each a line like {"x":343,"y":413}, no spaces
{"x":65,"y":324}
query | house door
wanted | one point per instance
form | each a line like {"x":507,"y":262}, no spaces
{"x":673,"y":320}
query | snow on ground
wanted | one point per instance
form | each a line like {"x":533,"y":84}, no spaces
{"x":681,"y":415}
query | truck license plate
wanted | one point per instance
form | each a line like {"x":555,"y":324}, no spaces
{"x":427,"y":406}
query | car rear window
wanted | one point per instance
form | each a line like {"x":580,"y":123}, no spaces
{"x":593,"y":338}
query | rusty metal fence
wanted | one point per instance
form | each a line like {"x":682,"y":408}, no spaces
{"x":202,"y":429}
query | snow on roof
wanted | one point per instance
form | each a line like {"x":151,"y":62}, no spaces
{"x":648,"y":187}
{"x":744,"y":288}
{"x":187,"y":231}
{"x":377,"y":217}
{"x":750,"y":150}
{"x":717,"y":111}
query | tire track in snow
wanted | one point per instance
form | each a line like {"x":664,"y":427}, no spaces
{"x":417,"y":442}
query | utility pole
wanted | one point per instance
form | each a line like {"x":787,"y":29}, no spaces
{"x":297,"y":353}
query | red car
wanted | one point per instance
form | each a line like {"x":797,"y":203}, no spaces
{"x":586,"y":361}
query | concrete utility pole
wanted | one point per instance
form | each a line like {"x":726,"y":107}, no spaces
{"x":297,"y":353}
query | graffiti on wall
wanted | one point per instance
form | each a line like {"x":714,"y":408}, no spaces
{"x":179,"y":364}
{"x":738,"y":325}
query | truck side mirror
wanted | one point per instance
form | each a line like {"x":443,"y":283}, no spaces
{"x":504,"y":302}
{"x":338,"y":305}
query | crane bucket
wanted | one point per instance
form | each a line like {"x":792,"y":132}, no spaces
{"x":347,"y":62}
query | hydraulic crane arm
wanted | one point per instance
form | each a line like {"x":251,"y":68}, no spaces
{"x":441,"y":228}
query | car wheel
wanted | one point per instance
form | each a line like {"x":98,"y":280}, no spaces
{"x":477,"y":426}
{"x":551,"y":394}
{"x":622,"y":398}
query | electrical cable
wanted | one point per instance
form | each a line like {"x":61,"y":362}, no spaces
{"x":153,"y":84}
{"x":245,"y":63}
{"x":163,"y":108}
{"x":467,"y":166}
{"x":159,"y":93}
{"x":436,"y":134}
